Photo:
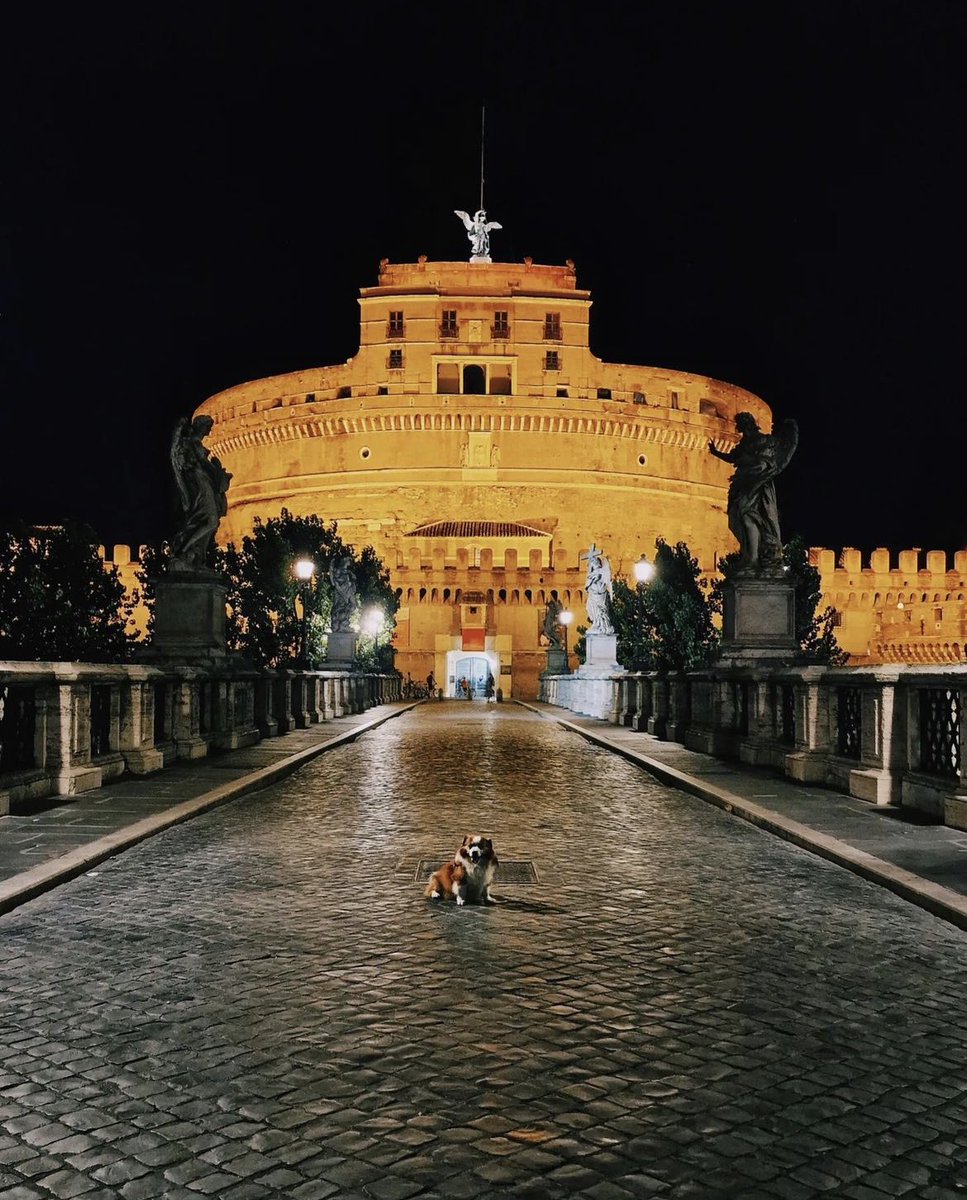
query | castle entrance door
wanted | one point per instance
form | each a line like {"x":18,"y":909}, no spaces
{"x":474,"y":668}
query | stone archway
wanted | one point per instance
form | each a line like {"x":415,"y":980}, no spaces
{"x":473,"y":665}
{"x":474,"y":380}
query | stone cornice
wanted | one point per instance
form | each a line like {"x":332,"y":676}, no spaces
{"x":415,"y":422}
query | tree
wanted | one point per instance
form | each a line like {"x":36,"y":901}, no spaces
{"x":264,"y":621}
{"x":57,"y":600}
{"x":665,"y":625}
{"x":815,"y":631}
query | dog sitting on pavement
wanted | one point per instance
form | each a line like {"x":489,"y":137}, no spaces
{"x":466,"y":878}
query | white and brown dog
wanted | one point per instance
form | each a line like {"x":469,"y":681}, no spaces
{"x":466,"y":878}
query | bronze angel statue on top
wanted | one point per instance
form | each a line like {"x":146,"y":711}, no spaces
{"x":478,"y":231}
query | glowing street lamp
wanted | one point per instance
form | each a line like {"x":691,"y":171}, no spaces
{"x":565,"y":617}
{"x":304,"y":569}
{"x":644,"y":570}
{"x":372,"y":621}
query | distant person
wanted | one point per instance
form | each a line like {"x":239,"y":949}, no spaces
{"x":491,"y":689}
{"x":430,"y":683}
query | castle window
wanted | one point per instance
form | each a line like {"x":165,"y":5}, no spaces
{"x":552,"y":360}
{"x":310,"y":397}
{"x":674,"y":399}
{"x":344,"y":393}
{"x":382,"y":391}
{"x":394,"y":326}
{"x":501,"y":326}
{"x":552,"y":327}
{"x":639,"y":398}
{"x":395,"y":359}
{"x":448,"y":323}
{"x":499,"y":379}
{"x":562,"y":392}
{"x":604,"y":393}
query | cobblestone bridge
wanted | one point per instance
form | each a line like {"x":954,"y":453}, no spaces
{"x":260,"y":1003}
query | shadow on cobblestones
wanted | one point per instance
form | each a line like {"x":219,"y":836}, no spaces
{"x":261,"y":1003}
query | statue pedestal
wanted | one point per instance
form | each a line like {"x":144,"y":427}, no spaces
{"x":341,"y":654}
{"x":592,"y":691}
{"x":758,"y":621}
{"x":600,"y":655}
{"x":557,"y":663}
{"x":189,"y":616}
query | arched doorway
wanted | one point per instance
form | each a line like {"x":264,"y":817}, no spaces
{"x":474,"y":380}
{"x":473,"y":666}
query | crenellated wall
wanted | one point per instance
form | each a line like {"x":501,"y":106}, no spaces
{"x":905,"y":608}
{"x":128,"y":564}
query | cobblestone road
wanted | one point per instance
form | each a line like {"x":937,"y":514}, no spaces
{"x":260,"y":1003}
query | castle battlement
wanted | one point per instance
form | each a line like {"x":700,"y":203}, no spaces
{"x":905,"y":569}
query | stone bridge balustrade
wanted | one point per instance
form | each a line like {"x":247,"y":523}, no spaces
{"x":66,"y":728}
{"x":888,"y":735}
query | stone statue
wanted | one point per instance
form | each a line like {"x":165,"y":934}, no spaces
{"x":343,"y":593}
{"x":753,"y":515}
{"x":478,"y":231}
{"x":202,"y":484}
{"x":598,"y":592}
{"x":552,"y":625}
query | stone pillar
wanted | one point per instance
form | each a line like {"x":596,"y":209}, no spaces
{"x":68,"y":751}
{"x":136,"y":740}
{"x":808,"y":762}
{"x":265,"y":720}
{"x":658,"y":720}
{"x":282,"y":701}
{"x":186,"y":724}
{"x":879,"y":777}
{"x":328,"y":697}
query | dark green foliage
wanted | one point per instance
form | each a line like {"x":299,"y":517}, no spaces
{"x":814,"y":630}
{"x":665,"y":625}
{"x":265,"y":623}
{"x":580,"y":647}
{"x":57,"y":601}
{"x":154,"y":562}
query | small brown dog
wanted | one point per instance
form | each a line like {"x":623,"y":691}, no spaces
{"x":468,"y":875}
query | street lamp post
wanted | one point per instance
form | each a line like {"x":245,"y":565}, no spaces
{"x":566,"y":617}
{"x":304,"y":569}
{"x":644,"y":570}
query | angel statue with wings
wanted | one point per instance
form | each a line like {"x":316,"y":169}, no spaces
{"x":478,"y":231}
{"x":598,"y":591}
{"x":202,"y":484}
{"x":753,"y":514}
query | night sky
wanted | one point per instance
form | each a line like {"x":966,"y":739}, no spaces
{"x":771,"y":195}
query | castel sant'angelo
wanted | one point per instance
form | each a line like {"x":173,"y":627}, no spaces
{"x":480,"y":446}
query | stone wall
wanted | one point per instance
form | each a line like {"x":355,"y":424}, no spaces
{"x":904,"y":608}
{"x":890,"y":735}
{"x":66,"y":728}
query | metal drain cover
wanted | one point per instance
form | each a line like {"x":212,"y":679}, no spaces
{"x":510,"y":870}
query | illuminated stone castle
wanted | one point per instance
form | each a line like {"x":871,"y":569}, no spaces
{"x":480,"y":446}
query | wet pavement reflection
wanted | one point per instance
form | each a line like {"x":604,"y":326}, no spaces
{"x":261,"y":1003}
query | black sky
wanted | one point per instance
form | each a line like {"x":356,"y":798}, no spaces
{"x":767,"y":194}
